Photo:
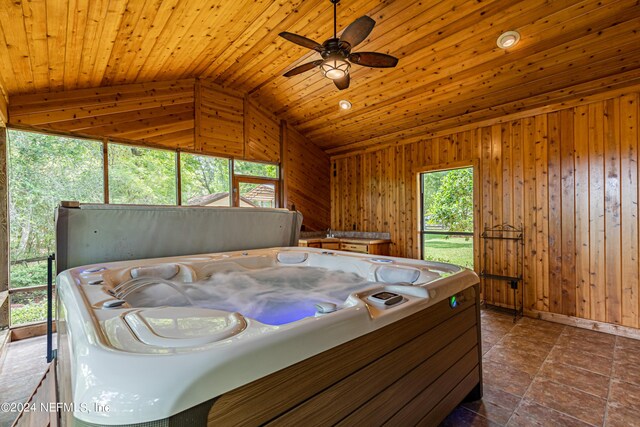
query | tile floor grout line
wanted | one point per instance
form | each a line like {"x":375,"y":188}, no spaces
{"x":534,"y":377}
{"x":497,"y":343}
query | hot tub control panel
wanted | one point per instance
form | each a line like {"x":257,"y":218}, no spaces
{"x":385,"y":298}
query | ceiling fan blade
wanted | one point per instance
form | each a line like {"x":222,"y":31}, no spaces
{"x":302,"y":41}
{"x":302,"y":68}
{"x":358,"y":31}
{"x":373,"y":59}
{"x":342,"y":83}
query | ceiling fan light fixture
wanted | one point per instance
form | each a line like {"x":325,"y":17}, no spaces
{"x":344,"y":104}
{"x":335,"y":68}
{"x":508,"y":39}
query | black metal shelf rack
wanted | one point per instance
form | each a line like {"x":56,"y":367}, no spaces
{"x":509,"y":233}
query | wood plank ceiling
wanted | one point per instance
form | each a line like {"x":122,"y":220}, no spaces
{"x":450,"y":70}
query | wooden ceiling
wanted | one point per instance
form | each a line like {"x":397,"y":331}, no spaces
{"x":450,"y":70}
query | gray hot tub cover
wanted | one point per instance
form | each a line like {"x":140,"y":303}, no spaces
{"x":91,"y":234}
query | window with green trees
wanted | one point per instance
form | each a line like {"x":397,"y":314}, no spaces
{"x":205,"y":180}
{"x":43,"y":170}
{"x":267,"y":170}
{"x":447,"y":216}
{"x":141,"y":176}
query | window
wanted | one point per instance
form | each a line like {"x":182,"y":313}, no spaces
{"x":267,"y":170}
{"x":447,"y":216}
{"x":255,"y":184}
{"x":142,"y":176}
{"x":43,"y":170}
{"x":205,"y":180}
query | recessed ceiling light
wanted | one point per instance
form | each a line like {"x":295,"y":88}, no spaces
{"x":344,"y":104}
{"x":508,"y":39}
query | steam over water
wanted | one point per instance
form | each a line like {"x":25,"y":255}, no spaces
{"x":274,"y":295}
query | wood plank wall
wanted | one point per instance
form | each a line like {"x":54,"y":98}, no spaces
{"x":160,"y":113}
{"x":570,"y":177}
{"x":262,"y":135}
{"x":306,"y":169}
{"x":220,"y":120}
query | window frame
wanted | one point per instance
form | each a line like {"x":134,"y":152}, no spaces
{"x":421,"y":232}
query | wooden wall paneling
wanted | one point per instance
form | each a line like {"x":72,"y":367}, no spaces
{"x":518,"y":196}
{"x":359,"y":195}
{"x":542,"y":210}
{"x":487,"y":218}
{"x":506,"y":175}
{"x":159,"y":113}
{"x":629,"y":198}
{"x":262,"y":134}
{"x":475,"y":152}
{"x":612,"y":217}
{"x":570,"y":177}
{"x":197,"y":115}
{"x":582,"y":219}
{"x":499,"y":287}
{"x":401,"y":225}
{"x":555,"y":215}
{"x":411,"y":202}
{"x":222,"y":120}
{"x":596,"y":212}
{"x":308,"y":180}
{"x":567,"y":213}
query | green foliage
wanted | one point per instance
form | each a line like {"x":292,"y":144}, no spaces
{"x":430,"y":185}
{"x":241,"y":167}
{"x":29,"y":307}
{"x":202,"y":175}
{"x":452,"y":203}
{"x":29,"y":274}
{"x":43,"y":170}
{"x":141,"y":176}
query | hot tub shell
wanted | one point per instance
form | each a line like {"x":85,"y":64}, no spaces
{"x":409,"y":364}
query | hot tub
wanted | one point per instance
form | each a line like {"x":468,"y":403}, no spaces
{"x":282,"y":335}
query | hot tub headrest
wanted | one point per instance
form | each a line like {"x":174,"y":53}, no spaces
{"x":292,"y":257}
{"x":163,"y":271}
{"x":393,"y":274}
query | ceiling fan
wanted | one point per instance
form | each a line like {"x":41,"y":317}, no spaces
{"x":336,"y":52}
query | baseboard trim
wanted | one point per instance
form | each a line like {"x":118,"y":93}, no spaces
{"x":29,"y":331}
{"x":578,"y":322}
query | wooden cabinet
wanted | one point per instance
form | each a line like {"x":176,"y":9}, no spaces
{"x":333,"y":246}
{"x":354,"y":247}
{"x":363,"y":246}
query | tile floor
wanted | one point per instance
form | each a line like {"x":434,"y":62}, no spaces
{"x":536,"y":373}
{"x":539,"y":373}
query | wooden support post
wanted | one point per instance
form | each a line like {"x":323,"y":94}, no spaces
{"x":4,"y":244}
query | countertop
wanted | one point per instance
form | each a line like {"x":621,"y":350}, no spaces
{"x":344,"y":240}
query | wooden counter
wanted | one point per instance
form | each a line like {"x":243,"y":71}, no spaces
{"x":351,"y":244}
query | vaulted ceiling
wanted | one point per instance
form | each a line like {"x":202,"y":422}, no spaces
{"x":450,"y":70}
